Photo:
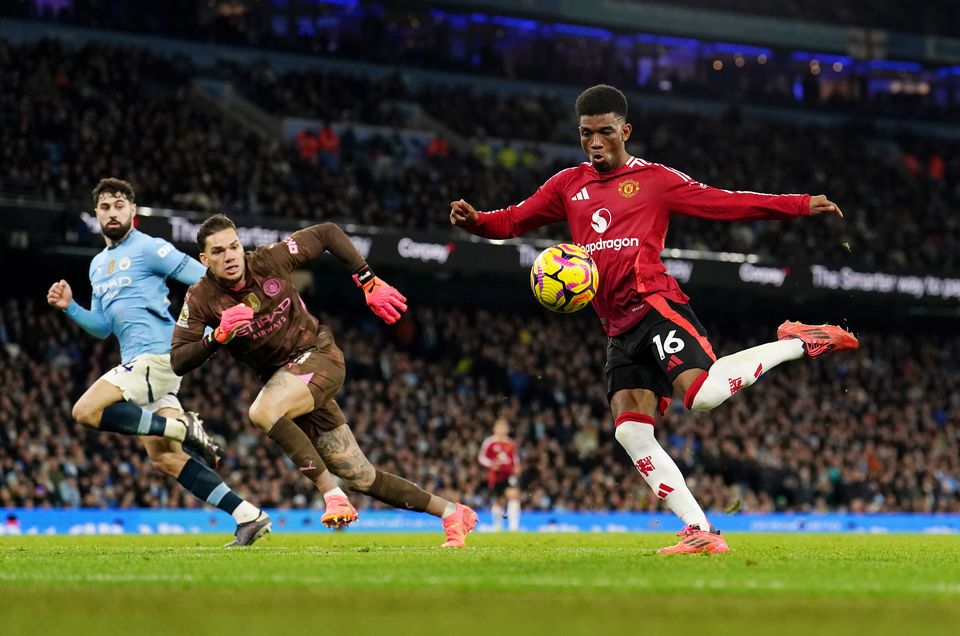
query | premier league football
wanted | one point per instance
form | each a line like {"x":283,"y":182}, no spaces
{"x":471,"y":316}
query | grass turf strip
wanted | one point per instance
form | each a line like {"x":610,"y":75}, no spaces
{"x":535,"y":583}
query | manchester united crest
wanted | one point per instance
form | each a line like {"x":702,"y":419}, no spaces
{"x":628,"y":188}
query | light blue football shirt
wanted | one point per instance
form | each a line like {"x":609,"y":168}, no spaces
{"x":129,"y":282}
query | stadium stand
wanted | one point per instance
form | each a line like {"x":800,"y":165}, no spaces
{"x":65,"y":127}
{"x":876,"y":430}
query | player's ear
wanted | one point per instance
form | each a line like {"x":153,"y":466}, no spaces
{"x":627,"y":129}
{"x":203,"y":259}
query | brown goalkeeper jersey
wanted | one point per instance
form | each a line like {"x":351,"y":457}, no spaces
{"x":281,"y":328}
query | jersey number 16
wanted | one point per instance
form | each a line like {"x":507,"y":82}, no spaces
{"x":671,"y":345}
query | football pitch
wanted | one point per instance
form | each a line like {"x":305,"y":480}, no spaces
{"x":501,"y":584}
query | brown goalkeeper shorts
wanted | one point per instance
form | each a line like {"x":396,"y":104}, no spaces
{"x":322,"y":369}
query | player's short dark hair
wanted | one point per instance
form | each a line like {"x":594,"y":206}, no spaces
{"x":114,"y":186}
{"x":600,"y":100}
{"x":216,"y":223}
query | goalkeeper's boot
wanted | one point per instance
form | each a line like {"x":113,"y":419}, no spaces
{"x":198,"y":441}
{"x":818,"y":339}
{"x":249,"y":531}
{"x":339,"y":513}
{"x":696,"y":540}
{"x":458,"y":526}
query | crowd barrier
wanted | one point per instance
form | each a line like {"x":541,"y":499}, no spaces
{"x":26,"y":521}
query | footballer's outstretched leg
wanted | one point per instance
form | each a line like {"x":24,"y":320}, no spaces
{"x":343,"y":456}
{"x":727,"y":376}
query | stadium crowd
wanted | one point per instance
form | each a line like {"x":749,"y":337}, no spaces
{"x":875,"y":430}
{"x":69,"y":118}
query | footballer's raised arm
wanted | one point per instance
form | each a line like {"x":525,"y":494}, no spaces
{"x":684,"y":195}
{"x":383,"y":299}
{"x":310,"y":243}
{"x":545,"y":206}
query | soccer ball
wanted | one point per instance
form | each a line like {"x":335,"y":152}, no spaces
{"x":564,"y":278}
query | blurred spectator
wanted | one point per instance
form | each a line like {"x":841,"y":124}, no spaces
{"x":507,"y":158}
{"x":307,"y":143}
{"x":438,"y":148}
{"x":328,"y":143}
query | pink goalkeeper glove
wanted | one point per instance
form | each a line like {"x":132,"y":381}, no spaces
{"x":230,"y":321}
{"x":385,"y":301}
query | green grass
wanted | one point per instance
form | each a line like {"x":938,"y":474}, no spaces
{"x":502,"y":584}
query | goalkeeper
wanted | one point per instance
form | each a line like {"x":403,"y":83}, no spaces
{"x":256,"y":313}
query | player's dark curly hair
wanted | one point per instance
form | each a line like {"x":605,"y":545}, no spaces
{"x":116,"y":187}
{"x":216,"y":223}
{"x":602,"y":99}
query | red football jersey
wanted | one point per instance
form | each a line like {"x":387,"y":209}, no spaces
{"x":500,"y":456}
{"x":621,"y":217}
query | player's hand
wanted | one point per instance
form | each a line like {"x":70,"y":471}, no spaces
{"x":820,"y":204}
{"x":384,"y":300}
{"x":60,"y":295}
{"x":231,"y":320}
{"x":462,"y":213}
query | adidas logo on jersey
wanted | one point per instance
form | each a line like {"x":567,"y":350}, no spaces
{"x":581,"y":196}
{"x":673,"y":363}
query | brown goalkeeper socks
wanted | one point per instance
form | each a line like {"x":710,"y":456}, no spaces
{"x":298,"y":447}
{"x":398,"y":492}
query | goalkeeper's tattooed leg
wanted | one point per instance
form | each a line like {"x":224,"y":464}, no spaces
{"x":340,"y":452}
{"x":282,"y":399}
{"x":339,"y":448}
